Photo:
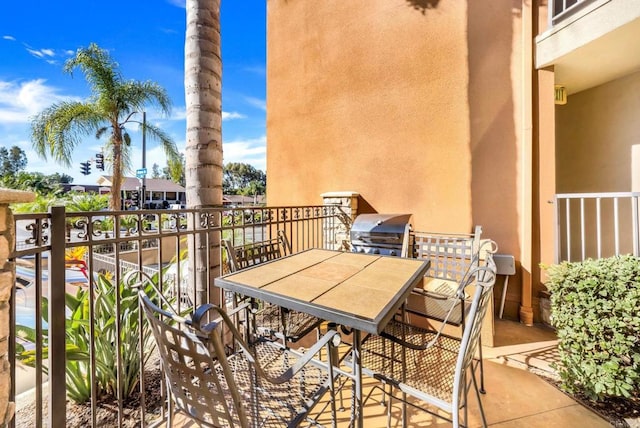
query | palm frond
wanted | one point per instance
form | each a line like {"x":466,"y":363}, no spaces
{"x":100,"y":132}
{"x":139,"y":95}
{"x":174,"y":160}
{"x":99,"y":69}
{"x":58,"y":129}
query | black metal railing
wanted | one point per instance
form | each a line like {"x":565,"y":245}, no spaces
{"x":61,"y":255}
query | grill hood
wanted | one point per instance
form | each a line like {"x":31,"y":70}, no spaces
{"x":380,"y":233}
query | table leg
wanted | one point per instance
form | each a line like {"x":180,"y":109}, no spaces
{"x":504,"y":294}
{"x":357,"y":372}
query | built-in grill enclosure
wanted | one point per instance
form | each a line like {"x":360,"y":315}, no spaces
{"x":380,"y":233}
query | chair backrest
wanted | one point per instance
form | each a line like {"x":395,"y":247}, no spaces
{"x":483,"y":278}
{"x":243,"y":256}
{"x":190,"y":372}
{"x":452,"y":256}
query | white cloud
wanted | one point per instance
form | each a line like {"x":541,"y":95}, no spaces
{"x":179,"y":113}
{"x":41,"y":53}
{"x":19,"y":101}
{"x":230,"y":115}
{"x":178,"y":3}
{"x":252,"y":151}
{"x":256,"y":102}
{"x":256,"y":69}
{"x":13,"y":39}
{"x":48,"y":54}
{"x":35,"y":53}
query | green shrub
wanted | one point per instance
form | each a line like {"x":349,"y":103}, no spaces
{"x":595,"y":308}
{"x":78,"y":341}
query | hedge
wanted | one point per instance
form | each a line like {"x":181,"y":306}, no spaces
{"x":595,"y":307}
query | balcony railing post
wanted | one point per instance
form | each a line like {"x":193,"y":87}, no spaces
{"x":57,"y":355}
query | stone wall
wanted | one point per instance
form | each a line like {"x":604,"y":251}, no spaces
{"x":348,"y":202}
{"x":7,"y":281}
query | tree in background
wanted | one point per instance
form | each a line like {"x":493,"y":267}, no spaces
{"x":34,"y":182}
{"x":254,"y":189}
{"x":155,"y":171}
{"x":167,"y":174}
{"x":243,"y":179}
{"x":109,"y":110}
{"x":61,"y":178}
{"x":177,"y":175}
{"x":12,"y":160}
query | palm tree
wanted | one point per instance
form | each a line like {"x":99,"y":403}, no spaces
{"x":113,"y":102}
{"x":203,"y":85}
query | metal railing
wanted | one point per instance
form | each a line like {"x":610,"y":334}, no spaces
{"x":55,"y":245}
{"x":560,"y":9}
{"x":596,"y":225}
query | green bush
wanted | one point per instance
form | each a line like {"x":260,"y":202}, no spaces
{"x":78,"y":340}
{"x":595,"y":308}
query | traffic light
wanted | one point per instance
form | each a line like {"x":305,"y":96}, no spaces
{"x":85,"y":168}
{"x":100,"y":161}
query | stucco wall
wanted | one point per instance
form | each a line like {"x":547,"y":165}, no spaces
{"x":411,"y":103}
{"x":361,"y":95}
{"x":595,"y":132}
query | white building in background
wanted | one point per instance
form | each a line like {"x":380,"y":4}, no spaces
{"x":160,"y":193}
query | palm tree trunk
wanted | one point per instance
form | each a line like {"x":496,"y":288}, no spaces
{"x":203,"y":96}
{"x":116,"y":173}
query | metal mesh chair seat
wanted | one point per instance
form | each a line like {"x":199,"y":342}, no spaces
{"x":428,"y":365}
{"x":269,"y":319}
{"x":430,"y":370}
{"x":278,"y":404}
{"x":262,"y":384}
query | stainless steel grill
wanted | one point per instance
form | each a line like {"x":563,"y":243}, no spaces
{"x":385,"y":234}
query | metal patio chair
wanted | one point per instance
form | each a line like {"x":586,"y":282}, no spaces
{"x":428,"y":365}
{"x":453,"y":257}
{"x":287,"y":325}
{"x":263,"y":384}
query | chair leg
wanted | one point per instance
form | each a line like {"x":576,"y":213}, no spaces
{"x":388,"y":404}
{"x":332,"y":360}
{"x":482,"y":390}
{"x":475,"y":386}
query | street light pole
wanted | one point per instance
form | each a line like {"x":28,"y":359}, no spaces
{"x":143,"y":197}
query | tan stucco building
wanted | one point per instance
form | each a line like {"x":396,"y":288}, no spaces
{"x":445,"y":109}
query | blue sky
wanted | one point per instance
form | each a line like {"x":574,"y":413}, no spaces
{"x":146,"y":38}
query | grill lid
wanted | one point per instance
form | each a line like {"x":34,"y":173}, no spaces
{"x":385,"y":234}
{"x":379,"y":224}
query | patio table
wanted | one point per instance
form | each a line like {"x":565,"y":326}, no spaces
{"x":358,"y":291}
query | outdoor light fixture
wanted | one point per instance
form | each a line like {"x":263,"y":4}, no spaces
{"x":560,"y":96}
